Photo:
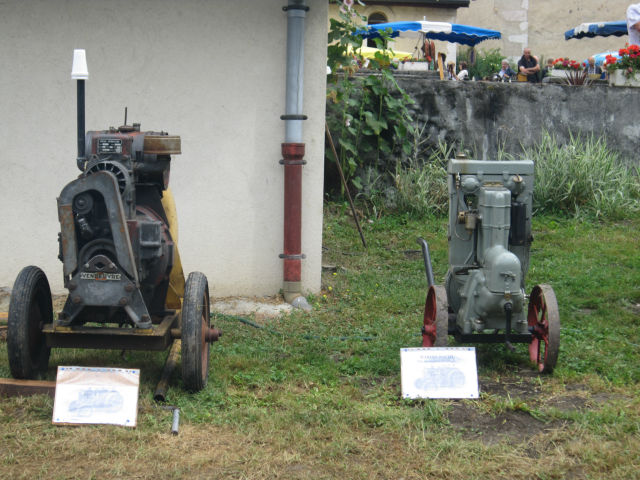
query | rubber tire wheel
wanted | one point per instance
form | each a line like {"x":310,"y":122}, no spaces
{"x":195,"y":322}
{"x":544,"y":318}
{"x":435,"y":328}
{"x":30,"y":308}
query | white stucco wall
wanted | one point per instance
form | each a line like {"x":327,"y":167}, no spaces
{"x":211,"y":71}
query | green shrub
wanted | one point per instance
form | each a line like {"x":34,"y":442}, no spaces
{"x":485,"y":64}
{"x":368,"y":116}
{"x":418,"y":187}
{"x":582,"y":177}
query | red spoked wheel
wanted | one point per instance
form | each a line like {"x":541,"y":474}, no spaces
{"x":436,"y":318}
{"x":544,"y":324}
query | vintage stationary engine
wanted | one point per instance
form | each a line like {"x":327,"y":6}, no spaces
{"x":120,"y":261}
{"x":489,"y":233}
{"x":116,"y":246}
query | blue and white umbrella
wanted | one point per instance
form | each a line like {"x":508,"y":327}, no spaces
{"x":597,"y":29}
{"x":601,"y":57}
{"x":447,"y":32}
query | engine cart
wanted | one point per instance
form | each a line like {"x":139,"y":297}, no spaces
{"x":120,"y":261}
{"x":483,"y":298}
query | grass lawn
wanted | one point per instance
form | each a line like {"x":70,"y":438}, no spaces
{"x":317,"y":395}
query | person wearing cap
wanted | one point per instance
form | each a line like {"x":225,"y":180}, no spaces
{"x":633,"y":23}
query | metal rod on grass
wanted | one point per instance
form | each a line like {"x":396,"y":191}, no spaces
{"x":172,"y":359}
{"x":344,"y":183}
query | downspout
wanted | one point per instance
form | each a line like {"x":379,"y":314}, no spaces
{"x":292,"y":154}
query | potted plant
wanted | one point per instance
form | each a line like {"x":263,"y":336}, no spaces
{"x":572,"y":72}
{"x":625,"y":70}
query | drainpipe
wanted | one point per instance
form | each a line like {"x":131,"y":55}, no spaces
{"x":292,"y":154}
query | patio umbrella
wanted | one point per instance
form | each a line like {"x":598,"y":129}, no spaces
{"x":370,"y":52}
{"x":448,"y":32}
{"x":597,"y":29}
{"x":601,"y":57}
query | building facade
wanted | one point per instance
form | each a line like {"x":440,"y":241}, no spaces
{"x":212,"y":72}
{"x":540,"y":25}
{"x":397,"y":11}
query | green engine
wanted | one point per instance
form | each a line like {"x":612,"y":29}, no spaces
{"x":483,"y":299}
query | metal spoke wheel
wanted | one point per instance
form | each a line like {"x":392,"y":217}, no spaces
{"x":436,"y":318}
{"x":544,"y":324}
{"x":195,"y":325}
{"x":30,"y":308}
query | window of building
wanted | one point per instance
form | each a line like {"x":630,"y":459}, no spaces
{"x":373,"y":19}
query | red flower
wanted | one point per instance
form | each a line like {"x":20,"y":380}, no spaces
{"x":623,"y":51}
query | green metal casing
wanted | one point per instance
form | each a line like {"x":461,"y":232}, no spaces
{"x":490,"y":205}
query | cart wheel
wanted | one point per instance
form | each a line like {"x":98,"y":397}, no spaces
{"x":195,"y":323}
{"x":29,"y":309}
{"x":436,"y":318}
{"x":544,"y":324}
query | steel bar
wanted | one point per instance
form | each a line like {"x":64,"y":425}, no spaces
{"x":491,"y":338}
{"x":427,"y":260}
{"x":344,"y":183}
{"x":175,"y":421}
{"x":172,"y":360}
{"x":156,"y":338}
{"x":10,"y":387}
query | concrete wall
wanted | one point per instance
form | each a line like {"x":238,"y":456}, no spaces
{"x":211,"y":71}
{"x":540,"y":24}
{"x":486,"y":116}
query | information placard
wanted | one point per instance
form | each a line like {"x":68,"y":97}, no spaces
{"x":94,"y":395}
{"x":439,"y":372}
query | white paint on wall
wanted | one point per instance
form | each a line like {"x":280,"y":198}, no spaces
{"x":521,"y":39}
{"x":514,"y":15}
{"x":212,"y":72}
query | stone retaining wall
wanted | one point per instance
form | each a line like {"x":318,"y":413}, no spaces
{"x":487,"y":116}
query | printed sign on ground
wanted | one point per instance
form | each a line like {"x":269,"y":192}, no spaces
{"x":96,"y":395}
{"x":439,"y":372}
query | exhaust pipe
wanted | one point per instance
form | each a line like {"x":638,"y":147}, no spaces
{"x":80,"y":73}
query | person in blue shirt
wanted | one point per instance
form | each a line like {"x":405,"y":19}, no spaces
{"x":506,"y":74}
{"x":591,"y":67}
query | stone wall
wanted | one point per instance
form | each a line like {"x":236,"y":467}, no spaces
{"x":486,"y":116}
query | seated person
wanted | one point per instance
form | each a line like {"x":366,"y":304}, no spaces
{"x":451,"y":71}
{"x":505,"y":74}
{"x":592,"y":68}
{"x":528,"y":65}
{"x":463,"y":74}
{"x":546,"y":71}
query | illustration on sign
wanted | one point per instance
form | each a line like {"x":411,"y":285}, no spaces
{"x":439,"y":372}
{"x":96,"y":395}
{"x":96,"y":401}
{"x":440,"y":378}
